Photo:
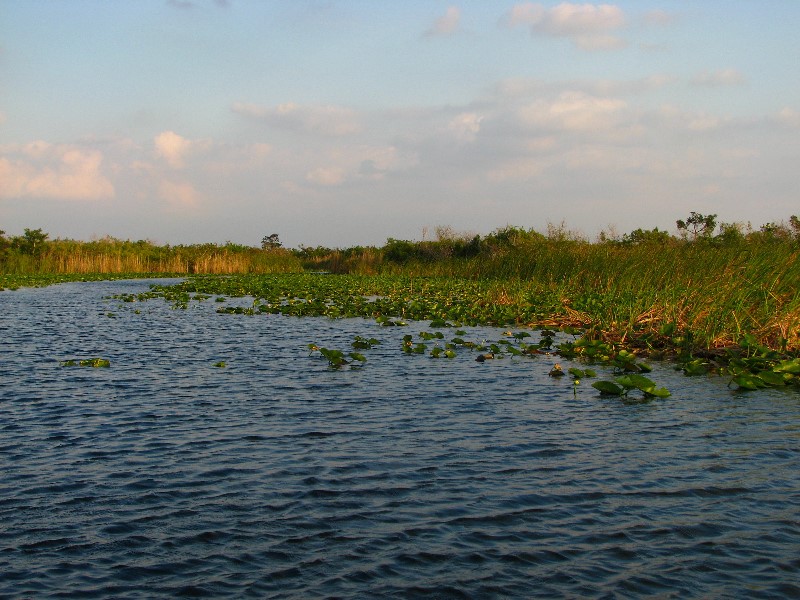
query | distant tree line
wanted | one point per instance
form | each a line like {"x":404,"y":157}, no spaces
{"x":35,"y":252}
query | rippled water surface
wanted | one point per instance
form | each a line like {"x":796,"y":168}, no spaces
{"x":277,"y":477}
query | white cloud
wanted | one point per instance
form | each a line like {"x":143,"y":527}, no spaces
{"x":376,"y":162}
{"x":229,"y":159}
{"x":538,"y":149}
{"x":328,"y":176}
{"x":446,"y":24}
{"x":38,"y":149}
{"x":672,"y":120}
{"x":789,"y":116}
{"x":465,"y":126}
{"x":519,"y":169}
{"x":580,"y":19}
{"x":598,"y":42}
{"x":178,"y":196}
{"x":174,"y":148}
{"x":573,"y":111}
{"x":353,"y":163}
{"x":704,"y":123}
{"x":325,"y":120}
{"x":524,"y":14}
{"x":723,"y":77}
{"x":42,"y":170}
{"x":588,"y":26}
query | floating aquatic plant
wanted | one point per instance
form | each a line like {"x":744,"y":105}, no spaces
{"x":361,"y":343}
{"x":86,"y":362}
{"x":754,"y":375}
{"x":395,"y":300}
{"x":439,"y":352}
{"x":582,"y":373}
{"x":337,"y":358}
{"x":622,"y":386}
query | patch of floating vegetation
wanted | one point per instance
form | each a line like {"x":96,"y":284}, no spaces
{"x":622,"y":386}
{"x":451,"y":302}
{"x":11,"y":282}
{"x":86,"y":362}
{"x":337,"y":358}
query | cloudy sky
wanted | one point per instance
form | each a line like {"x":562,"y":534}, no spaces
{"x":339,"y":123}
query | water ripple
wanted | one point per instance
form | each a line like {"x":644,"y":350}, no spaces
{"x":277,"y":477}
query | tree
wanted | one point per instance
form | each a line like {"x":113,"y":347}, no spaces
{"x":4,"y":244}
{"x":794,"y":223}
{"x":699,"y":226}
{"x":643,"y":236}
{"x":270,"y":242}
{"x":31,"y":242}
{"x":730,"y":233}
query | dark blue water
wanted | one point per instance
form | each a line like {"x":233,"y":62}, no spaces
{"x":411,"y":477}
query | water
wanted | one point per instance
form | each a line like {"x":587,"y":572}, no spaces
{"x":412,"y":477}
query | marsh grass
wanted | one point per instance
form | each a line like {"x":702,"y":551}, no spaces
{"x":651,"y":290}
{"x":712,"y":294}
{"x":110,"y":255}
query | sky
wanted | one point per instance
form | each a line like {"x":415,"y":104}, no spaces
{"x":343,"y":123}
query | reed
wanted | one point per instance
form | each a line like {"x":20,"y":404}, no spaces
{"x":713,"y":293}
{"x":110,"y":255}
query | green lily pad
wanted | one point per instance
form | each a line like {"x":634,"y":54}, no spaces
{"x":608,"y":388}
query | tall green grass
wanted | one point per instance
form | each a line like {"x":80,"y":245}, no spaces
{"x":110,"y":255}
{"x":712,"y":290}
{"x":713,"y":293}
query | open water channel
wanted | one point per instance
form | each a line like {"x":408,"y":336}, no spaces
{"x":278,"y":477}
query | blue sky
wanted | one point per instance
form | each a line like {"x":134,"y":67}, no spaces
{"x":340,"y":123}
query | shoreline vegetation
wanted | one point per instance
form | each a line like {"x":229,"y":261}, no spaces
{"x":708,"y":291}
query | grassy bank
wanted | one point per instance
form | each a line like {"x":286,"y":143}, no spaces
{"x":715,"y":294}
{"x":706,"y":288}
{"x":394,"y":300}
{"x":32,"y":254}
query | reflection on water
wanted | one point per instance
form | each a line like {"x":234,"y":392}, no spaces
{"x":412,"y":477}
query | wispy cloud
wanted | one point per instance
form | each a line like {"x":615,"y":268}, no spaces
{"x":574,"y":111}
{"x":588,"y":26}
{"x":190,"y":4}
{"x":172,"y":148}
{"x":60,"y":171}
{"x":789,"y":116}
{"x":445,"y":25}
{"x":658,"y":17}
{"x":326,"y":176}
{"x":320,"y":119}
{"x":720,"y":78}
{"x":178,"y":196}
{"x":181,"y":4}
{"x":465,"y":126}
